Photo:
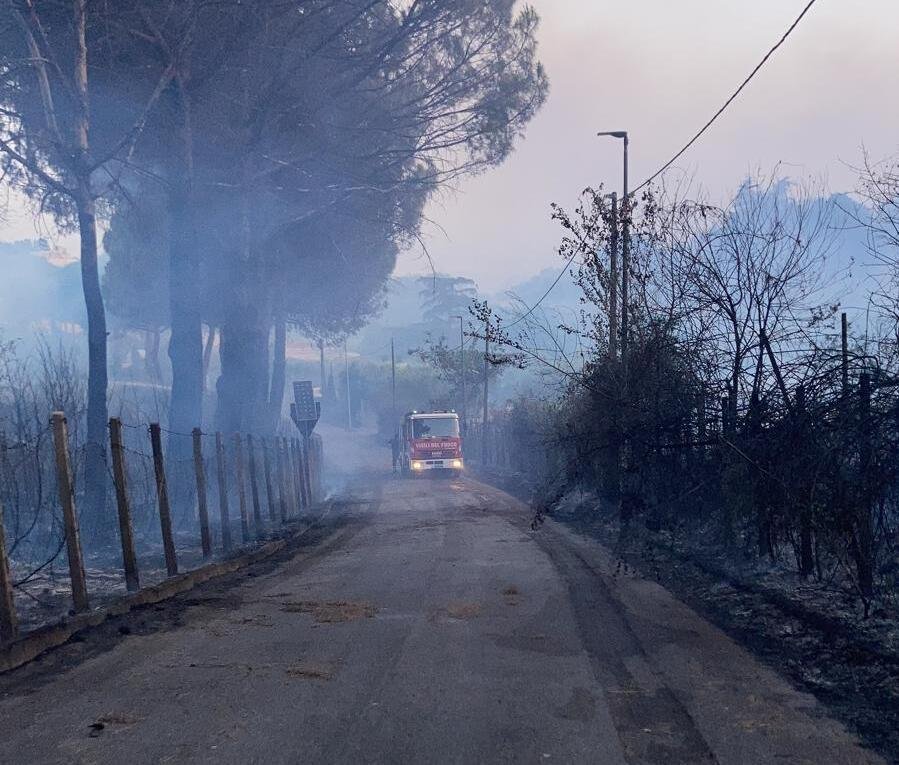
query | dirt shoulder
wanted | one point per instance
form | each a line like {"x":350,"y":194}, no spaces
{"x":813,"y":635}
{"x":849,"y":664}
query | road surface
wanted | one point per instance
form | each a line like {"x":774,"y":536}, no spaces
{"x":419,"y":621}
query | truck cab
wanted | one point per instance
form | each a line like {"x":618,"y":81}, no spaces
{"x":431,"y":441}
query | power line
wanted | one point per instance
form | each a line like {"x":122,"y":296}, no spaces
{"x":686,"y":147}
{"x":545,"y":294}
{"x":730,"y":100}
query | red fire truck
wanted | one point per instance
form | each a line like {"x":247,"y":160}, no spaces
{"x":431,"y":441}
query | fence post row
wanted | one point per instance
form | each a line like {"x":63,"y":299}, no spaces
{"x":70,"y":518}
{"x":241,"y":489}
{"x":224,"y":514}
{"x":9,"y":622}
{"x":254,"y":489}
{"x":126,"y":530}
{"x":298,"y":477}
{"x":202,"y":506}
{"x":162,"y":492}
{"x":269,"y":490}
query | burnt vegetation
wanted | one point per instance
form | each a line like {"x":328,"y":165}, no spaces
{"x":743,"y":411}
{"x":740,"y":442}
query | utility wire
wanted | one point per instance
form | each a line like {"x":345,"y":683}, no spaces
{"x":686,"y":147}
{"x":730,"y":100}
{"x":545,"y":294}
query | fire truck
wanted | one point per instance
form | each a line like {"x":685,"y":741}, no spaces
{"x":431,"y":442}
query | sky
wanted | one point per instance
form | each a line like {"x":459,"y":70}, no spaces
{"x":660,"y":69}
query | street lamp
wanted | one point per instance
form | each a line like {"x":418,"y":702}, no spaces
{"x":625,"y":278}
{"x":462,"y":367}
{"x":625,"y":244}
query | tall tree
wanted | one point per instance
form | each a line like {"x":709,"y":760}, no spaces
{"x":63,"y":133}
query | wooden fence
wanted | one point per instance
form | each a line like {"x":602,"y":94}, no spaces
{"x":272,"y":491}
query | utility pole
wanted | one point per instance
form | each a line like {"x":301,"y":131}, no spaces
{"x":625,"y":251}
{"x":625,"y":263}
{"x":613,"y":281}
{"x":349,"y":406}
{"x":620,"y":438}
{"x":462,"y":367}
{"x":845,"y":353}
{"x":486,"y":365}
{"x":486,"y":369}
{"x":393,"y":380}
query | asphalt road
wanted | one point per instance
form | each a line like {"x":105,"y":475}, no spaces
{"x":421,"y":621}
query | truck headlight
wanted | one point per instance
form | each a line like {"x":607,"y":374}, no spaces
{"x":417,"y":466}
{"x":457,"y":464}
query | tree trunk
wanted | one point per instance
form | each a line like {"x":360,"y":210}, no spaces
{"x":186,"y":342}
{"x":243,"y":402}
{"x":242,"y":386}
{"x":279,"y":370}
{"x":95,"y":448}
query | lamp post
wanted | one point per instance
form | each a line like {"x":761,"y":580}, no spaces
{"x":623,"y":502}
{"x":625,"y":246}
{"x":462,"y":367}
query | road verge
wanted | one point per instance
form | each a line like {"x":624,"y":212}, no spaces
{"x":31,"y":645}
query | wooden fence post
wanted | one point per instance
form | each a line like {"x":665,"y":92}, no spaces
{"x":282,"y":483}
{"x":241,"y":489}
{"x":224,"y":514}
{"x":162,"y":492}
{"x":269,"y":490}
{"x":126,"y":531}
{"x":254,"y":489}
{"x":9,"y":622}
{"x":202,"y":504}
{"x":67,"y":500}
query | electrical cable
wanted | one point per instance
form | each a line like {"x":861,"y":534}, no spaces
{"x":686,"y":147}
{"x":730,"y":100}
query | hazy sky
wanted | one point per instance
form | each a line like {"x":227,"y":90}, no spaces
{"x":660,"y":69}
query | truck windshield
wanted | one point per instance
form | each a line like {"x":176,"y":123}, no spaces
{"x":435,"y":427}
